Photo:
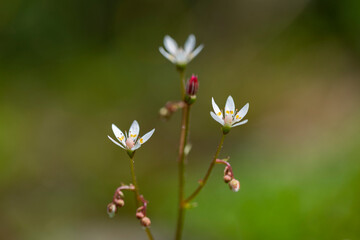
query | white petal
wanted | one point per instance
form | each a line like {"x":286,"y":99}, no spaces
{"x":118,"y":134}
{"x":241,"y":114}
{"x":181,"y":57}
{"x":216,"y":109}
{"x":146,"y":137}
{"x":170,"y":57}
{"x":196,"y":51}
{"x":190,"y":44}
{"x":136,"y":146}
{"x":134,"y":130}
{"x":230,"y":106}
{"x":240,"y":123}
{"x":170,"y":45}
{"x":116,"y":142}
{"x":216,"y":118}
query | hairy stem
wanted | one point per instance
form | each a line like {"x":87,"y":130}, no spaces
{"x":137,"y":194}
{"x":207,"y":175}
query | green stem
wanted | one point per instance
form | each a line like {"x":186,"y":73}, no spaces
{"x":181,"y":165}
{"x":181,"y":159}
{"x":207,"y":175}
{"x":181,"y":71}
{"x":137,"y":193}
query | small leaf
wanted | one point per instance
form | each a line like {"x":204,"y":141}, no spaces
{"x":187,"y":149}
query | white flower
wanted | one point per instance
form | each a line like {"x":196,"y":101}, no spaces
{"x":132,"y":141}
{"x":231,"y":118}
{"x":178,"y":55}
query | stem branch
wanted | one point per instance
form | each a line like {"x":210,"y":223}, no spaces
{"x":207,"y":175}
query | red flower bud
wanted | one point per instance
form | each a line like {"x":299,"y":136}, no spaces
{"x":192,"y":86}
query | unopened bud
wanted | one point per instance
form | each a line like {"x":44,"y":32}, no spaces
{"x":234,"y":185}
{"x":140,"y":209}
{"x":164,"y":112}
{"x":111,"y":209}
{"x":140,"y":215}
{"x":119,"y":194}
{"x":119,"y":202}
{"x":227,"y":178}
{"x":192,"y":86}
{"x":145,"y":221}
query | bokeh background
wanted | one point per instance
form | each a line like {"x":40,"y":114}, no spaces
{"x":68,"y":69}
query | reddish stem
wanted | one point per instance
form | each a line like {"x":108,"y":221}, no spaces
{"x":145,"y":202}
{"x":219,"y":161}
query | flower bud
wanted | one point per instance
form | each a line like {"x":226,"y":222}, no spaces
{"x":140,"y":215}
{"x":119,"y":202}
{"x":119,"y":194}
{"x":164,"y":112}
{"x":111,"y":209}
{"x":145,"y":221}
{"x":227,"y":178}
{"x":234,"y":185}
{"x":140,"y":209}
{"x":192,"y":86}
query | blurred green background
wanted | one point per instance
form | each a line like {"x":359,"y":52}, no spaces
{"x":68,"y":69}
